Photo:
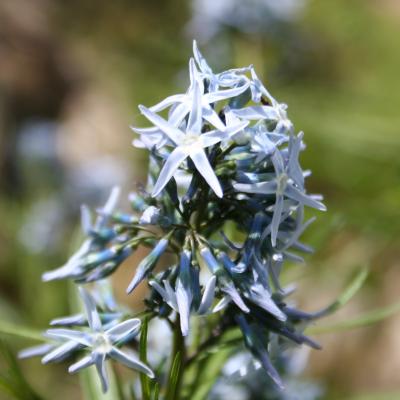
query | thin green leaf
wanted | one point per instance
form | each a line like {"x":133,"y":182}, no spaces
{"x":368,"y":318}
{"x":174,"y":377}
{"x":156,"y":391}
{"x":144,"y":379}
{"x":12,"y":381}
{"x":7,"y":328}
{"x":352,"y":288}
{"x":208,"y":373}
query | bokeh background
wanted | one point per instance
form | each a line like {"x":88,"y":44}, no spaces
{"x":71,"y":76}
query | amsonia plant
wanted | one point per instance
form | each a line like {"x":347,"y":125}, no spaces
{"x":222,"y":212}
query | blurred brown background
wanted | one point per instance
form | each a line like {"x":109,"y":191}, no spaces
{"x":71,"y":76}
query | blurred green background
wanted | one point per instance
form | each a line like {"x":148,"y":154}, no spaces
{"x":71,"y":76}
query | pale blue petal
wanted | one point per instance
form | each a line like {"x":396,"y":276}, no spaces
{"x":90,"y":309}
{"x":82,"y":363}
{"x":130,"y":362}
{"x":235,"y":296}
{"x":201,"y":61}
{"x":222,"y":304}
{"x":276,"y":218}
{"x":220,"y":95}
{"x":169,"y":101}
{"x":175,"y":134}
{"x":184,"y":293}
{"x":173,"y":162}
{"x":195,"y":117}
{"x":35,"y":351}
{"x":203,"y":166}
{"x":178,"y":114}
{"x":147,"y":264}
{"x":160,"y":290}
{"x":100,"y":363}
{"x":86,"y":219}
{"x":233,"y":129}
{"x":260,"y":187}
{"x":208,"y":296}
{"x":61,"y":352}
{"x":302,"y":198}
{"x":124,"y":329}
{"x":184,"y":300}
{"x":69,"y":334}
{"x":171,"y":294}
{"x":212,"y":117}
{"x":257,"y":112}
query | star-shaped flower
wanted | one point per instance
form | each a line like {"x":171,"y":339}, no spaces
{"x":183,"y":102}
{"x":275,"y":112}
{"x":282,"y":185}
{"x":74,"y":267}
{"x":190,"y":143}
{"x":101,"y":342}
{"x":230,"y":78}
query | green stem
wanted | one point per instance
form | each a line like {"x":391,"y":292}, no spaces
{"x":177,"y":359}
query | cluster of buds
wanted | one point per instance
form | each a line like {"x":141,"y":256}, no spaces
{"x":225,"y":200}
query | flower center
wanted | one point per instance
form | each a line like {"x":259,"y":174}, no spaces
{"x":102,"y":343}
{"x":191,"y":139}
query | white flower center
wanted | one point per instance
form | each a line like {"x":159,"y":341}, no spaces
{"x":102,"y":343}
{"x":192,"y":139}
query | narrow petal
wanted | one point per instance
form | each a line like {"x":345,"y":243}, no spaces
{"x":160,"y":290}
{"x":259,"y":187}
{"x":203,"y":166}
{"x":222,"y":304}
{"x":225,"y":94}
{"x":201,"y":61}
{"x":35,"y":351}
{"x":173,"y":162}
{"x":69,"y":334}
{"x":86,"y":219}
{"x":100,"y":362}
{"x":82,"y":363}
{"x":91,"y":309}
{"x":61,"y":352}
{"x":169,"y":101}
{"x":208,"y":296}
{"x":294,"y":169}
{"x":184,"y":300}
{"x":147,"y":264}
{"x":257,"y":112}
{"x":178,"y":114}
{"x":130,"y":362}
{"x":171,"y":294}
{"x":212,"y":117}
{"x":302,"y":198}
{"x":231,"y":130}
{"x":109,"y":207}
{"x":276,"y":218}
{"x":185,"y":290}
{"x":195,"y":116}
{"x":234,"y":294}
{"x":124,"y":329}
{"x":175,"y":134}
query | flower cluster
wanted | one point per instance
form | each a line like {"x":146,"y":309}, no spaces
{"x":225,"y":197}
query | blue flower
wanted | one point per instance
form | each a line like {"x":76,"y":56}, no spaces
{"x":102,"y":343}
{"x":190,"y":143}
{"x":281,"y":186}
